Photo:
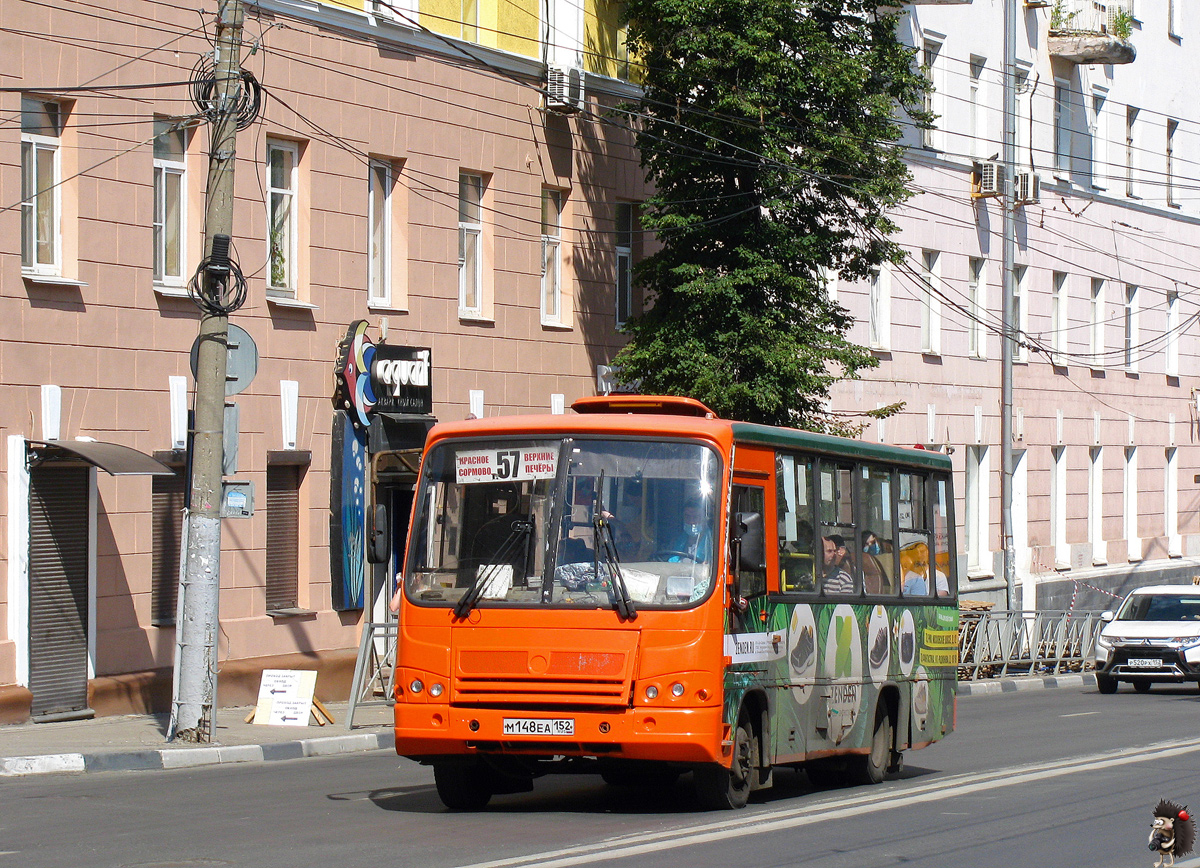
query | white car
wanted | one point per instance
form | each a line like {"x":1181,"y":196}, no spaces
{"x":1153,"y":637}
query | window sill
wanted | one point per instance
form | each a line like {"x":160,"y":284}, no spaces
{"x":167,"y":291}
{"x":557,"y":326}
{"x":289,"y":612}
{"x":51,"y":279}
{"x":385,"y":307}
{"x":477,"y":318}
{"x":979,"y":576}
{"x":283,"y":301}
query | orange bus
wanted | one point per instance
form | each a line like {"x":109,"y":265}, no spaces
{"x":641,"y":590}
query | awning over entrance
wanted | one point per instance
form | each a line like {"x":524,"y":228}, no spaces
{"x":113,"y":458}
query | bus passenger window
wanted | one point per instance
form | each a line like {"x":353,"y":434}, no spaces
{"x":878,"y":532}
{"x":945,"y":569}
{"x":840,"y":573}
{"x":916,"y":538}
{"x":794,"y":505}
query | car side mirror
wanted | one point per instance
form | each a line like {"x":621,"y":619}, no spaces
{"x":379,"y":549}
{"x":1107,"y":616}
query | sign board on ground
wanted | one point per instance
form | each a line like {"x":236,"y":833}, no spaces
{"x":285,"y":697}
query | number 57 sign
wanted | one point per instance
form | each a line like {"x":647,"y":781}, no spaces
{"x":502,"y":465}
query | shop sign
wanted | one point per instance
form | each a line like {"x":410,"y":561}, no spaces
{"x":380,"y":378}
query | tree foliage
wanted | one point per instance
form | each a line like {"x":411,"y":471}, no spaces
{"x":768,"y":130}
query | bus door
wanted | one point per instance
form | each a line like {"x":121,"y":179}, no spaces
{"x":756,"y":641}
{"x":393,"y":485}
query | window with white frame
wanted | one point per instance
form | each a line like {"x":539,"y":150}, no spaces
{"x":1132,"y":143}
{"x":1058,"y":505}
{"x":1096,"y":324}
{"x":1024,"y":112}
{"x":624,"y":227}
{"x":470,"y":20}
{"x":1131,"y":316}
{"x":1130,"y":512}
{"x":879,"y":318}
{"x":282,"y":228}
{"x":1175,"y":18}
{"x":381,"y":180}
{"x":1172,"y":128}
{"x":977,"y":107}
{"x":976,"y":307}
{"x":1171,"y":351}
{"x":1098,"y":129}
{"x":1171,"y":502}
{"x":931,"y":66}
{"x":470,"y":238}
{"x":1096,"y":504}
{"x":830,"y":279}
{"x":1063,"y":119}
{"x":170,"y":203}
{"x":1021,"y":311}
{"x":931,"y":303}
{"x":41,"y":178}
{"x":977,"y":504}
{"x":1059,"y":305}
{"x":552,"y":207}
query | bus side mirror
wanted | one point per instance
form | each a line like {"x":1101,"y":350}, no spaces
{"x":752,"y":552}
{"x":378,"y":547}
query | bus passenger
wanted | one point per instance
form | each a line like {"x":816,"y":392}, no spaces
{"x":838,"y":579}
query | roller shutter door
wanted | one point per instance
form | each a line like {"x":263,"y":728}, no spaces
{"x":58,"y":589}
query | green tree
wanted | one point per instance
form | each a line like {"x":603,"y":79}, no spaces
{"x":768,"y":128}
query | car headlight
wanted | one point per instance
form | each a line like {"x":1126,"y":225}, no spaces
{"x":1106,"y":641}
{"x":1188,"y":641}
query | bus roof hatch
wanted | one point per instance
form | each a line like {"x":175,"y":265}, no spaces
{"x":667,"y":405}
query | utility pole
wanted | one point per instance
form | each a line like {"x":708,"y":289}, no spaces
{"x":1008,"y":337}
{"x":194,"y":703}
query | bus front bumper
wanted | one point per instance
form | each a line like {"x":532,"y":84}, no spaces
{"x":684,"y":735}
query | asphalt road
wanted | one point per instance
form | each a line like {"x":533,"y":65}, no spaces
{"x":1054,"y":777}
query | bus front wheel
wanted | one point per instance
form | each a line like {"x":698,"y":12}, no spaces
{"x":723,"y":789}
{"x":463,"y":786}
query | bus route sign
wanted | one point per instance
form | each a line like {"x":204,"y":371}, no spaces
{"x":503,"y":465}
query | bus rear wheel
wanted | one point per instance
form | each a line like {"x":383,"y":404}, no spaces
{"x":872,"y":768}
{"x":463,"y":786}
{"x":724,"y":789}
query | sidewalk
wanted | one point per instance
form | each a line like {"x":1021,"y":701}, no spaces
{"x":138,"y":742}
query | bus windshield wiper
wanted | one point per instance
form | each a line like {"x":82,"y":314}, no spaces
{"x":603,"y":539}
{"x":521,"y":527}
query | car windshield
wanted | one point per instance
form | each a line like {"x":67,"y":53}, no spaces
{"x":570,"y":523}
{"x":1160,"y":607}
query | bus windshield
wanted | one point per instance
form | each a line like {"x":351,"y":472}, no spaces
{"x":566,"y":523}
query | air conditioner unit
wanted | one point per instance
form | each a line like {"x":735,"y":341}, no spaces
{"x":564,"y":89}
{"x":1028,"y":188}
{"x":989,"y":179}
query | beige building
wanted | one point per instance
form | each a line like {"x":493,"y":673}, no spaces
{"x":407,"y":167}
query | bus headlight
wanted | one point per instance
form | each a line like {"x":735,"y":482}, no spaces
{"x":416,"y":686}
{"x":435,"y":690}
{"x":677,"y":689}
{"x":652,"y":692}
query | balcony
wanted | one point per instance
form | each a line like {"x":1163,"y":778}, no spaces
{"x":1088,"y":31}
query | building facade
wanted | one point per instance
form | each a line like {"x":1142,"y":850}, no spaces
{"x":1105,"y":424}
{"x":406,"y":166}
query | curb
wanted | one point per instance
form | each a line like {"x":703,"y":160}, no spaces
{"x":180,"y":758}
{"x":1017,"y":685}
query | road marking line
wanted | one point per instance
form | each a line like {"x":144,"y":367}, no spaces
{"x":1079,"y":714}
{"x":838,"y":808}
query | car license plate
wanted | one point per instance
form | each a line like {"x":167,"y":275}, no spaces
{"x":539,"y":726}
{"x":1145,"y":662}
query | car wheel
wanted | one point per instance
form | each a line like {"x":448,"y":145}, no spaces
{"x":1106,"y":683}
{"x":724,"y":789}
{"x":463,"y":786}
{"x":1141,"y":686}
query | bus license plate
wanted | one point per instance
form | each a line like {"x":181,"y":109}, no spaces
{"x":1145,"y":662}
{"x":539,"y":726}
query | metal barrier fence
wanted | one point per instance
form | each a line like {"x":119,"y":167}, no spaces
{"x":1000,"y":643}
